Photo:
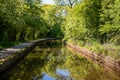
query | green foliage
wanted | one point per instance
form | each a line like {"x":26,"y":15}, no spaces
{"x":22,"y":20}
{"x":82,"y":21}
{"x":93,"y":19}
{"x":73,"y":26}
{"x":7,"y":44}
{"x":110,"y":20}
{"x":91,"y":16}
{"x":93,"y":23}
{"x":53,"y":16}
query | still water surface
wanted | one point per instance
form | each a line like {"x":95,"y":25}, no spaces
{"x":56,"y":63}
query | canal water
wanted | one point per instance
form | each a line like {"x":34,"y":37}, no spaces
{"x":51,"y":61}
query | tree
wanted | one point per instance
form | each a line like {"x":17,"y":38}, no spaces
{"x":53,"y":17}
{"x":82,"y":21}
{"x":21,"y":20}
{"x":92,"y":17}
{"x":70,"y":3}
{"x":110,"y":21}
{"x":74,"y":25}
{"x":9,"y":19}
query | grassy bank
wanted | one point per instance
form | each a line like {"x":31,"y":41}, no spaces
{"x":8,"y":44}
{"x":108,"y":49}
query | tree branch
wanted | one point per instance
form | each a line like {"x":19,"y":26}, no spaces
{"x":71,"y":3}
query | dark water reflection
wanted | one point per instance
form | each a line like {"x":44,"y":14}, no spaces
{"x":56,"y":63}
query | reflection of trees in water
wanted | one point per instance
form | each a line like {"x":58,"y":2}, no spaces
{"x":82,"y":69}
{"x":49,"y":59}
{"x":52,"y":44}
{"x":96,"y":73}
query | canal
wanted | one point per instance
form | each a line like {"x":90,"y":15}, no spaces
{"x":53,"y":61}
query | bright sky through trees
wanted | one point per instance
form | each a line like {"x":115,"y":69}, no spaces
{"x":48,"y":2}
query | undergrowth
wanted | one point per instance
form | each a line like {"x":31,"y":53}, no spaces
{"x":108,"y":49}
{"x":4,"y":45}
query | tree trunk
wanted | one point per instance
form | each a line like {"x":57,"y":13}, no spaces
{"x":22,"y":36}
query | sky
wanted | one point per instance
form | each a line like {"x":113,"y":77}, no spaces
{"x":48,"y":2}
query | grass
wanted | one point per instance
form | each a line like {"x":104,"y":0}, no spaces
{"x":112,"y":50}
{"x":4,"y":45}
{"x":107,"y":49}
